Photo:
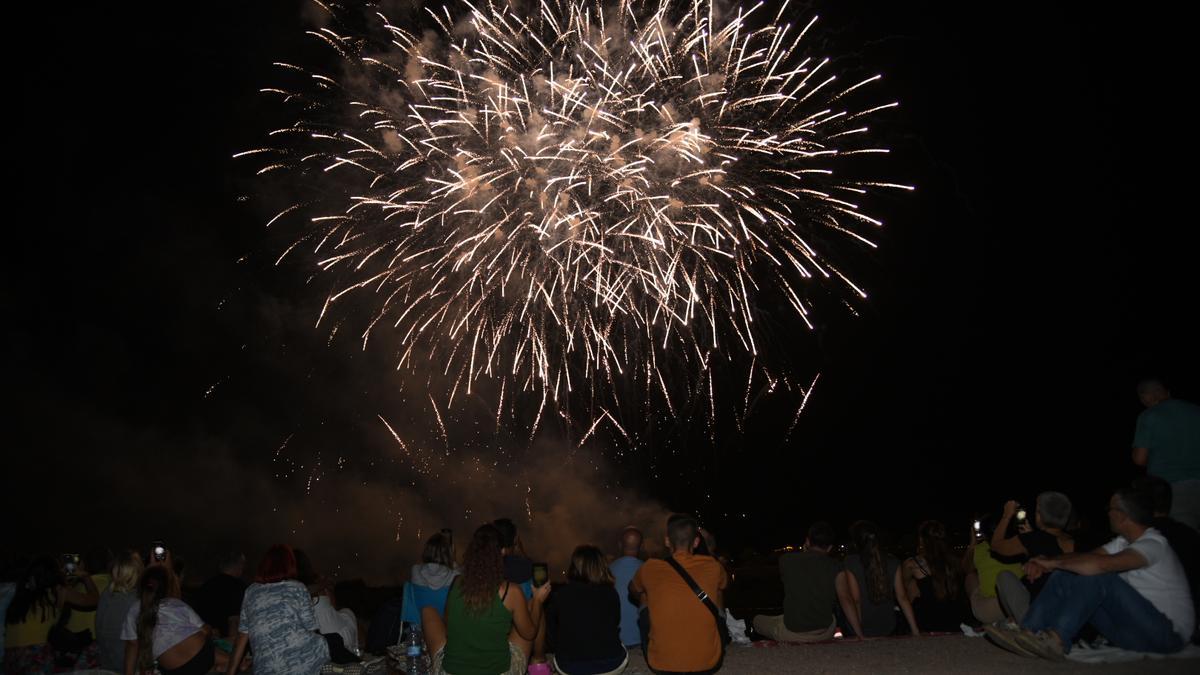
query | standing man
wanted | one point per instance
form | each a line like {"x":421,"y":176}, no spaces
{"x":1167,"y":442}
{"x":683,"y":632}
{"x":623,"y":570}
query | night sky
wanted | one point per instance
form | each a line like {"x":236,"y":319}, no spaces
{"x":160,"y":360}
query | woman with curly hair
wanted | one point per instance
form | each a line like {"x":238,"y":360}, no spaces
{"x":933,"y":580}
{"x":488,"y":628}
{"x":870,"y":586}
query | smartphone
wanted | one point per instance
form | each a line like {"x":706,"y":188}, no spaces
{"x":1021,"y":516}
{"x":70,"y":563}
{"x":977,"y":528}
{"x":541,"y":574}
{"x":159,"y":551}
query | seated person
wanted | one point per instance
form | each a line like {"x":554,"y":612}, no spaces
{"x":623,"y":569}
{"x":982,"y":568}
{"x":431,"y":578}
{"x":518,"y":568}
{"x":162,"y":629}
{"x":808,"y":577}
{"x":1183,"y":540}
{"x":871,"y":586}
{"x":115,"y":603}
{"x":1047,"y":538}
{"x":487,"y":629}
{"x":583,"y":619}
{"x":683,"y":632}
{"x":331,"y":621}
{"x":1132,"y":590}
{"x":219,"y":601}
{"x":36,"y":606}
{"x":933,"y":581}
{"x":97,"y":561}
{"x":278,"y":621}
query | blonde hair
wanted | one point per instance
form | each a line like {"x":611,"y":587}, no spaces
{"x":126,"y":571}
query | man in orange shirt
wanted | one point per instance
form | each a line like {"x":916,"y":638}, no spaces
{"x":683,"y":632}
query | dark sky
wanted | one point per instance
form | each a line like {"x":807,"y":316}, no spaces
{"x":1041,"y":267}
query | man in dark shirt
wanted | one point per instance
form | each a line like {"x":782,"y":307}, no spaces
{"x":808,"y":592}
{"x":1048,"y":538}
{"x":1183,"y":540}
{"x":219,"y":601}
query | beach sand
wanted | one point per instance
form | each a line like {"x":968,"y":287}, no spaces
{"x":941,"y":654}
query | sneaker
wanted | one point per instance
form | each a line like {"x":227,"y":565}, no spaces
{"x":1044,"y":644}
{"x":1005,"y":636}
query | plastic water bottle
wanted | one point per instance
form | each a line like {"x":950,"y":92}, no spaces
{"x":414,"y":662}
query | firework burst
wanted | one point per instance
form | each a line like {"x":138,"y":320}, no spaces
{"x":571,"y":198}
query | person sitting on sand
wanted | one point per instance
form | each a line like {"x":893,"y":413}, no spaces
{"x":623,"y":569}
{"x":583,"y":620}
{"x":870,"y":586}
{"x":1047,"y":538}
{"x":683,"y":631}
{"x":1183,"y":540}
{"x":1132,"y":590}
{"x":933,"y":580}
{"x":487,"y":628}
{"x":982,"y":569}
{"x":518,"y":568}
{"x":808,"y":591}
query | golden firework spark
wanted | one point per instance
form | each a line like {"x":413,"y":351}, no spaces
{"x":557,"y":200}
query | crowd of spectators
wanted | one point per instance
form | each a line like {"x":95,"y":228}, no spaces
{"x":1021,"y":575}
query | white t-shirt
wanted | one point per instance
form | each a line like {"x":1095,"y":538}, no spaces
{"x":1162,"y":581}
{"x":176,"y":623}
{"x":331,"y":620}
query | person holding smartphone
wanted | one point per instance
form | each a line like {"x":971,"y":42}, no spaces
{"x":1046,"y":537}
{"x":35,"y":609}
{"x":981,"y":571}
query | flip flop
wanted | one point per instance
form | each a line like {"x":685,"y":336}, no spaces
{"x":1006,"y":638}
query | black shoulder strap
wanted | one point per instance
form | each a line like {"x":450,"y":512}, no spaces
{"x":700,"y":593}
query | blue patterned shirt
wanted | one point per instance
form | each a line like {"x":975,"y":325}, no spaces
{"x":282,"y":626}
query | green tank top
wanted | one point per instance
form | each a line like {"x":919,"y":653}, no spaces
{"x":476,"y":644}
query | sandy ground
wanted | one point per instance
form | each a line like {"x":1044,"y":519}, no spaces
{"x":947,"y":654}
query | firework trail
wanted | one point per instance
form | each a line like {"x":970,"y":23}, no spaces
{"x":573,"y":198}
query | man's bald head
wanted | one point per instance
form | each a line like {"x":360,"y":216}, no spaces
{"x":631,"y":542}
{"x":1152,"y":391}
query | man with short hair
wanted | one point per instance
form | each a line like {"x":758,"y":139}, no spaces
{"x":683,"y":632}
{"x":1047,"y":538}
{"x":1183,"y":540}
{"x":1132,"y":590}
{"x":219,"y":601}
{"x":623,"y":570}
{"x":1167,"y":442}
{"x":809,"y":593}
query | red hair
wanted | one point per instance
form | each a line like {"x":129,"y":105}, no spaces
{"x":279,"y":564}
